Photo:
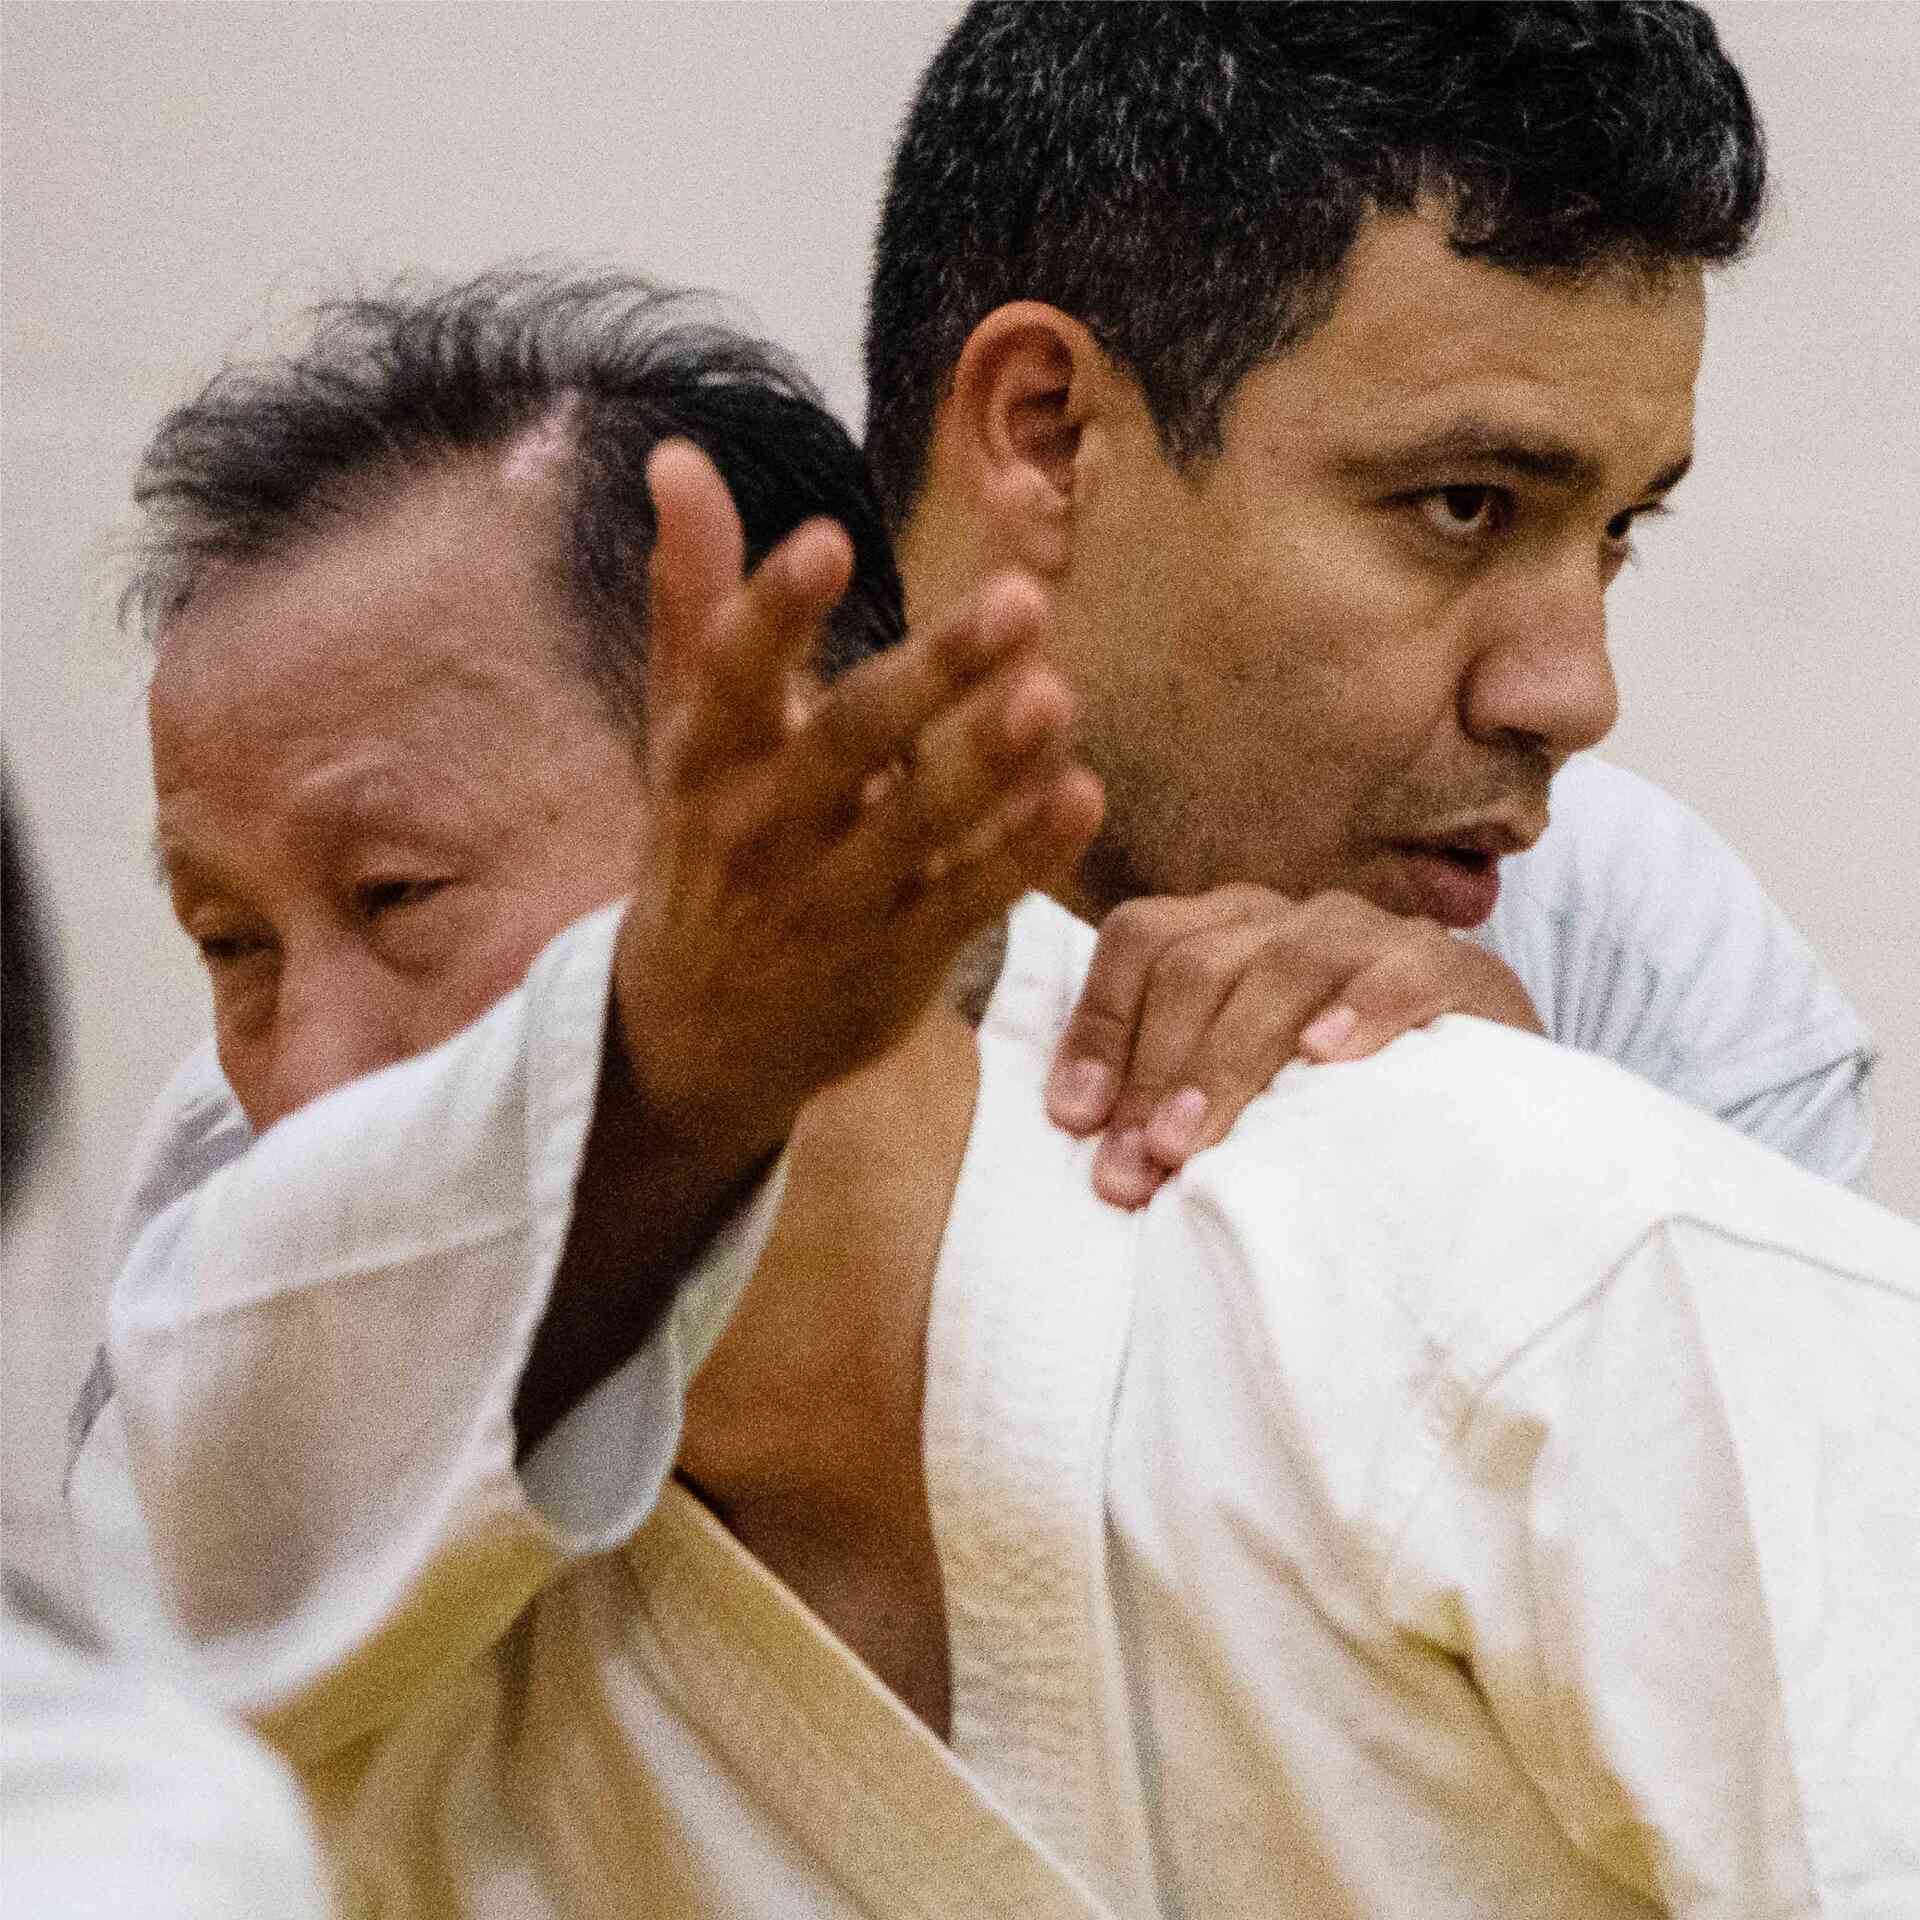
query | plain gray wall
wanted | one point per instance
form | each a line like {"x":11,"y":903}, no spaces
{"x":176,"y":175}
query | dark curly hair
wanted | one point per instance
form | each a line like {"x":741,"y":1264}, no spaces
{"x":1187,"y":179}
{"x":271,"y":452}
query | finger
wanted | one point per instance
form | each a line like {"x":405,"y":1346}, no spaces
{"x":1003,"y":736}
{"x":1032,"y":840}
{"x":1190,"y":982}
{"x":1090,"y":1061}
{"x":1250,"y":1041}
{"x":1300,"y":972}
{"x":1327,"y":1033}
{"x":967,"y":761}
{"x":759,"y":663}
{"x":726,"y":655}
{"x":1124,"y":1175}
{"x":698,"y":554}
{"x":1428,"y":975}
{"x":1023,"y":807}
{"x":1095,"y":1072}
{"x":872,"y":720}
{"x":1038,"y":835}
{"x":1405,"y":987}
{"x":790,"y":597}
{"x":696,"y":563}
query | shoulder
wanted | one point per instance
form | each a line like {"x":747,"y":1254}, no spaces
{"x":1642,"y":935}
{"x":1043,"y":965}
{"x":1617,"y":843}
{"x":1469,"y":1176}
{"x":1377,"y":1245}
{"x":1634,"y":878}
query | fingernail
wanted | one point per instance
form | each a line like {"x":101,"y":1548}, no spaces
{"x":1325,"y":1036}
{"x":1176,"y":1125}
{"x":1080,"y":1093}
{"x":1122,"y":1172}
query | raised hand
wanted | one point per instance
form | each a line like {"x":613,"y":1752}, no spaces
{"x":1193,"y":1005}
{"x":813,"y":861}
{"x":817,"y":857}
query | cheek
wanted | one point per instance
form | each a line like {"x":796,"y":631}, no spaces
{"x":505,"y":934}
{"x":1374,"y":670}
{"x":496,"y":962}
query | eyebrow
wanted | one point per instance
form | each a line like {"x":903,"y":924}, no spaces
{"x":366,"y":810}
{"x":1479,"y":443}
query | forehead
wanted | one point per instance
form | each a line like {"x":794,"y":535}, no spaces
{"x":426,"y":643}
{"x":1419,"y":340}
{"x":453,"y":581}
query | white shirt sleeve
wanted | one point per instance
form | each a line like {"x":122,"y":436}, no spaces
{"x":1676,"y":1544}
{"x":316,"y":1352}
{"x":1641,"y":936}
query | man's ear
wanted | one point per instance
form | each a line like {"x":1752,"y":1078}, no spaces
{"x":1023,"y":390}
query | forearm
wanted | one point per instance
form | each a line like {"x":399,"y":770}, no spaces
{"x":320,"y":1351}
{"x":645,"y":1207}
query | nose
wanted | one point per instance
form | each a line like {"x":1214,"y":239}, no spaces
{"x":1541,"y":677}
{"x":332,"y":1021}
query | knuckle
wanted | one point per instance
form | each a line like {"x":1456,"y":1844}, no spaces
{"x":1348,"y":913}
{"x":1190,"y":970}
{"x":1099,"y":1031}
{"x":1135,"y":1104}
{"x":842,"y":730}
{"x":1430,"y":963}
{"x":1262,"y":1046}
{"x":1231,"y":1084}
{"x":1136,"y":926}
{"x":1395,"y":994}
{"x":1247,"y":900}
{"x":1290,"y":952}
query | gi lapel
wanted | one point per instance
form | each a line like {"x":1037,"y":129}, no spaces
{"x":889,"y":1812}
{"x":1031,"y":1307}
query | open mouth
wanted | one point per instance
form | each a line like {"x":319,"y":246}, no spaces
{"x":1456,"y":885}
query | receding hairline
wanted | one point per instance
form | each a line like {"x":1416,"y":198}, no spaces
{"x":532,"y":461}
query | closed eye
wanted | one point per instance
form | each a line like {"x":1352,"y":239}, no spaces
{"x":372,"y":898}
{"x":227,"y":949}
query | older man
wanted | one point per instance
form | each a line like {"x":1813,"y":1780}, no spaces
{"x":397,"y":715}
{"x":1324,"y":358}
{"x":1466,"y":1491}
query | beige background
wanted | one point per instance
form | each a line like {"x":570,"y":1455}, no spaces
{"x":173,"y":174}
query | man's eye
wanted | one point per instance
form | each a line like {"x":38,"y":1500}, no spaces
{"x":376,"y":897}
{"x":228,"y":949}
{"x":1463,"y":512}
{"x":1620,"y":528}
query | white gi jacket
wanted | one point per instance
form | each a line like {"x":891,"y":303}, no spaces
{"x":1480,"y":1487}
